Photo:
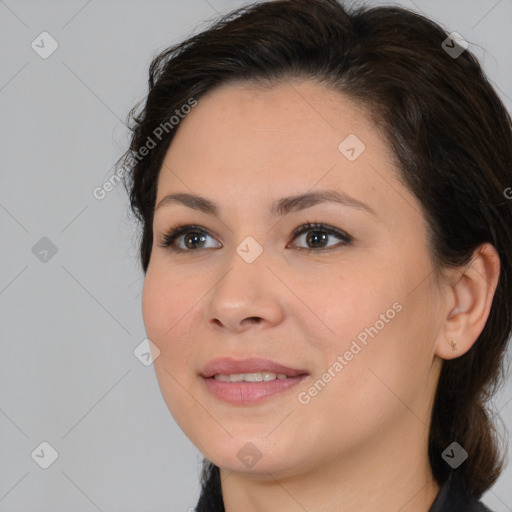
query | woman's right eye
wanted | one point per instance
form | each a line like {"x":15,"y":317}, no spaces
{"x":193,"y":238}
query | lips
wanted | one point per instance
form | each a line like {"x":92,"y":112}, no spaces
{"x":227,"y":365}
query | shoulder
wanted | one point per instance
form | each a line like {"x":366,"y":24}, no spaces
{"x":454,"y":497}
{"x":478,"y":506}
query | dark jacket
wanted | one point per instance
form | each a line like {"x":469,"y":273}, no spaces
{"x":453,"y":497}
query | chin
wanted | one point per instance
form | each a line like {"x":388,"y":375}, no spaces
{"x":249,"y":460}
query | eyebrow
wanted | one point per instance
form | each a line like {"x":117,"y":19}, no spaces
{"x":279,"y":207}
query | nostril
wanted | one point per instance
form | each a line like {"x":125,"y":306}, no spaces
{"x":253,"y":319}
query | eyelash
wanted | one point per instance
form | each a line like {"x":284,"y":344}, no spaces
{"x":168,"y":239}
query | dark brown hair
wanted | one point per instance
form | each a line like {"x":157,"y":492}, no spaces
{"x":451,"y":138}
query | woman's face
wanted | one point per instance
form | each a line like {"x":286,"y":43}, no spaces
{"x":357,"y":313}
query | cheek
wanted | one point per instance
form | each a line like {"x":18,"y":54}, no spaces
{"x":382,"y":332}
{"x":350,"y":302}
{"x":168,"y":312}
{"x":373,"y":385}
{"x":167,"y":308}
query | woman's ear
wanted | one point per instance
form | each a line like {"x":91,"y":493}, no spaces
{"x":470,"y":294}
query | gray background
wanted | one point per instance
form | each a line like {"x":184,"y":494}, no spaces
{"x":69,"y":325}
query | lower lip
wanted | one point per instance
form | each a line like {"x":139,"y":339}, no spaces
{"x":241,"y":393}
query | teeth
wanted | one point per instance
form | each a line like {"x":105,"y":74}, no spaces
{"x":250,"y":377}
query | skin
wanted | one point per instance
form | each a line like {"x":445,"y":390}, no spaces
{"x":360,"y":444}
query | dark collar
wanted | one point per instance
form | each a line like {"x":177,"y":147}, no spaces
{"x":453,"y":497}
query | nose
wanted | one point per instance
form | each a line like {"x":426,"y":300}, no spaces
{"x":246,"y":295}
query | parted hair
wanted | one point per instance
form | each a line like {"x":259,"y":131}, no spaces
{"x":451,"y":139}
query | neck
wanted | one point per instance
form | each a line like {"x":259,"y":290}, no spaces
{"x":380,"y":477}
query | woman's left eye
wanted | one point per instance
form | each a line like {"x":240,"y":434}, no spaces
{"x":194,"y":237}
{"x":317,"y":233}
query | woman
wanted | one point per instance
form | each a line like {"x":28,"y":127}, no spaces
{"x":327,"y":254}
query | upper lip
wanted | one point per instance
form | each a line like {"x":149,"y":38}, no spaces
{"x":228,"y":365}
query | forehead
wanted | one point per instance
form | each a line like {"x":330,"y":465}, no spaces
{"x":243,"y":140}
{"x":288,"y":112}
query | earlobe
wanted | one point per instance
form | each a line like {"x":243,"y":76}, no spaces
{"x":470,"y":301}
